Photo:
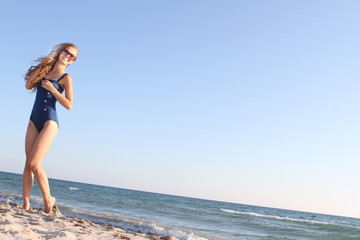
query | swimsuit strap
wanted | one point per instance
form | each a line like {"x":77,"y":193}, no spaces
{"x":61,"y":77}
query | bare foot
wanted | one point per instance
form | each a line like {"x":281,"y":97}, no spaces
{"x":26,"y":206}
{"x":49,"y":207}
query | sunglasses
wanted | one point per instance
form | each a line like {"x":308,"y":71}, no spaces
{"x":72,"y":56}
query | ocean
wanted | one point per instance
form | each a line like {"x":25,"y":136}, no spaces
{"x":182,"y":217}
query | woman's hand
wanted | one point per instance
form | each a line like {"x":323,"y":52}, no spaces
{"x":48,"y":85}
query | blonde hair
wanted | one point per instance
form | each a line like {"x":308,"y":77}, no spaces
{"x":45,"y":64}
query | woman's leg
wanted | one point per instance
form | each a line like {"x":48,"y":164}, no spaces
{"x":38,"y":152}
{"x":28,"y":177}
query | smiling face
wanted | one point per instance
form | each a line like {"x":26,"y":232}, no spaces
{"x":68,"y":55}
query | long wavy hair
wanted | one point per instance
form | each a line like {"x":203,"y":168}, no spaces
{"x":45,"y":64}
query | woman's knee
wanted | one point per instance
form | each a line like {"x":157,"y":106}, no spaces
{"x":32,"y":166}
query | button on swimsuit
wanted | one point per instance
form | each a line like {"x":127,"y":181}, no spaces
{"x":45,"y":105}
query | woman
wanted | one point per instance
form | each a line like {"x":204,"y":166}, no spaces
{"x":49,"y":79}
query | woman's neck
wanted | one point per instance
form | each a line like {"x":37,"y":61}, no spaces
{"x":58,"y":68}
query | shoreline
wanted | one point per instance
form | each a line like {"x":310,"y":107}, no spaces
{"x":17,"y":223}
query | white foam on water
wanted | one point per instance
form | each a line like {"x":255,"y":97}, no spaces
{"x":74,"y":189}
{"x":35,"y":201}
{"x":127,"y":223}
{"x":274,"y":217}
{"x":10,"y":197}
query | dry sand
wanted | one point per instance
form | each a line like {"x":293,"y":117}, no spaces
{"x":17,"y":223}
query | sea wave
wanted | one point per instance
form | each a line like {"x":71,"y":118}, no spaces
{"x":74,"y":189}
{"x":35,"y":201}
{"x":127,"y":223}
{"x":115,"y":220}
{"x":10,"y":197}
{"x":274,"y":217}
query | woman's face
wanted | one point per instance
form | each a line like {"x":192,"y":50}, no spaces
{"x":68,"y":55}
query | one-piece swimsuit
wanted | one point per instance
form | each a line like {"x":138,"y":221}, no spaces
{"x":45,"y":105}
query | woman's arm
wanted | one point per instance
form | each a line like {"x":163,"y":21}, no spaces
{"x":31,"y":78}
{"x":66,"y":100}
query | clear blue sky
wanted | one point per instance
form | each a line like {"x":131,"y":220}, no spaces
{"x":254,"y":102}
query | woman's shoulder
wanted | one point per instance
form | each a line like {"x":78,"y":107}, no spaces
{"x":66,"y":80}
{"x":66,"y":77}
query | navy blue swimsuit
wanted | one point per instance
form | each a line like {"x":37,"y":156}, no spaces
{"x":45,"y":105}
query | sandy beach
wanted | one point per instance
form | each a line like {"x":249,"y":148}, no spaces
{"x":17,"y":223}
